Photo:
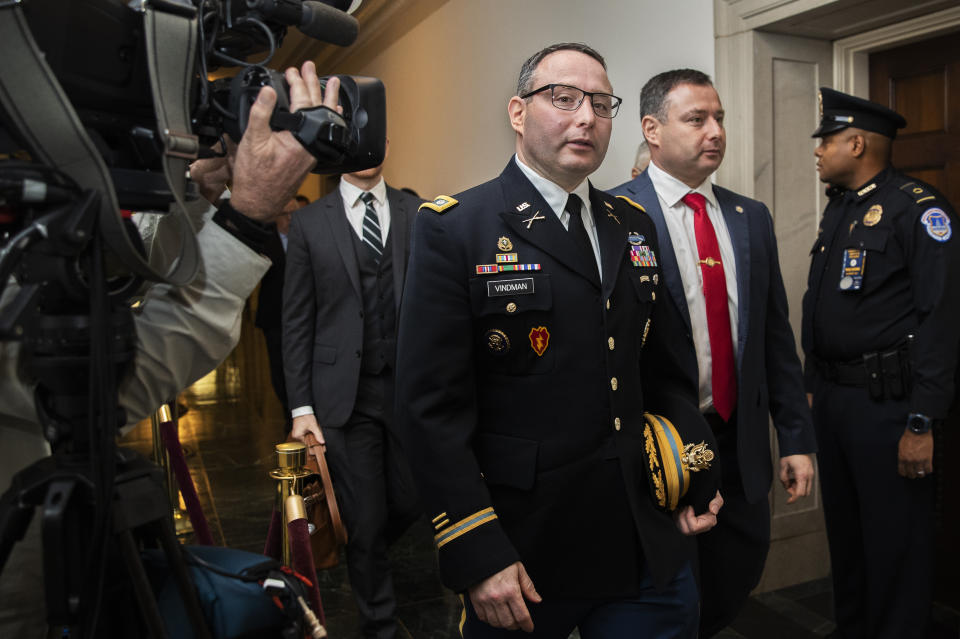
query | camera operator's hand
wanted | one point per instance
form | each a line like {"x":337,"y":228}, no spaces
{"x":212,"y":174}
{"x":271,"y":165}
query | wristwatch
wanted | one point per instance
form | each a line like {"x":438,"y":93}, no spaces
{"x":919,"y":424}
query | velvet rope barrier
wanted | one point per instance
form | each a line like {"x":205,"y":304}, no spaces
{"x":171,"y":440}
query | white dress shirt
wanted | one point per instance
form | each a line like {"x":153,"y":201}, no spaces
{"x":556,"y":198}
{"x":679,"y":219}
{"x":355,"y":207}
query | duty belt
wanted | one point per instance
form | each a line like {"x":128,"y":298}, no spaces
{"x":886,"y":374}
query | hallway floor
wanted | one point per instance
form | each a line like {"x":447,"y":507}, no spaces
{"x":229,"y":432}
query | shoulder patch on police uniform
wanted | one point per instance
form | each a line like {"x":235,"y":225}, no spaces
{"x":917,"y":192}
{"x":440,"y":204}
{"x":937,"y":223}
{"x":631,"y":202}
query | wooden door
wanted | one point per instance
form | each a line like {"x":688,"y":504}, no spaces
{"x":922,"y":82}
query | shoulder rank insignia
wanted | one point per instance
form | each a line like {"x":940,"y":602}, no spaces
{"x":917,"y":192}
{"x":937,"y":223}
{"x":631,"y":203}
{"x":440,"y":204}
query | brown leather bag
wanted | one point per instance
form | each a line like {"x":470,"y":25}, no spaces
{"x":322,"y":510}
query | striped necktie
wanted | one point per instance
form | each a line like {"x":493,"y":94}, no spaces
{"x":371,"y":227}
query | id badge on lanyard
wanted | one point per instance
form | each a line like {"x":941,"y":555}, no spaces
{"x":851,"y":277}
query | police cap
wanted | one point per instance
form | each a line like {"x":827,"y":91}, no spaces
{"x":839,"y":111}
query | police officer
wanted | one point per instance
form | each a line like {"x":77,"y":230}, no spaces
{"x":880,"y":333}
{"x":527,"y":303}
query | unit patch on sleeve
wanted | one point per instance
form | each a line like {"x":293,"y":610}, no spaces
{"x":937,"y":223}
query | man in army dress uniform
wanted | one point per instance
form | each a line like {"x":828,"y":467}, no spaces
{"x":527,"y":302}
{"x":880,"y":333}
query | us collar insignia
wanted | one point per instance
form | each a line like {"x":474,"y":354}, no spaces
{"x":539,"y":339}
{"x":635,"y":238}
{"x":504,"y":244}
{"x":872,"y":216}
{"x":533,"y":218}
{"x":522,"y":206}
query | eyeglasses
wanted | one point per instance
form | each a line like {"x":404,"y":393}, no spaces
{"x":570,"y":98}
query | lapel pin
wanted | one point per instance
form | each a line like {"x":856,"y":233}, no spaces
{"x":530,"y":220}
{"x":739,"y":209}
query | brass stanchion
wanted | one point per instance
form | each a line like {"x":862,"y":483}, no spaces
{"x":181,"y":521}
{"x":291,"y":457}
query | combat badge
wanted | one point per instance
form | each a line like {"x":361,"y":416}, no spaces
{"x":937,"y":223}
{"x":504,"y":244}
{"x":497,"y":341}
{"x":852,"y":272}
{"x":635,"y":238}
{"x":539,"y":339}
{"x":873,"y":215}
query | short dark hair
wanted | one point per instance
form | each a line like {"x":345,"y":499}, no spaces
{"x":653,"y":95}
{"x":525,"y":83}
{"x":302,"y":199}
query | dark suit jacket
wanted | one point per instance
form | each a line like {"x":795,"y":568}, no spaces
{"x":322,"y":304}
{"x":270,"y":298}
{"x":521,"y":454}
{"x":769,"y":380}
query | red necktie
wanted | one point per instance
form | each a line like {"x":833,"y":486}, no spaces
{"x":723,"y":372}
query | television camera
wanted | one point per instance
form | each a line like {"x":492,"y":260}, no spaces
{"x":104,"y":105}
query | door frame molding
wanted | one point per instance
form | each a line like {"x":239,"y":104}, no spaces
{"x":851,"y":71}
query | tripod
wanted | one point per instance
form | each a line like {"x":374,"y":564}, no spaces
{"x":99,"y":504}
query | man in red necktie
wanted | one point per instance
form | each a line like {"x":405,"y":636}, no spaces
{"x":733,"y":337}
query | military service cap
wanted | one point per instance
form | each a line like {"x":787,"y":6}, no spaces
{"x":680,"y":455}
{"x":839,"y":111}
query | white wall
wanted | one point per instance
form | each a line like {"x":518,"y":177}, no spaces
{"x":449,"y":79}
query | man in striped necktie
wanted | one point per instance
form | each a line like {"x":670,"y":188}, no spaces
{"x":346,"y":260}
